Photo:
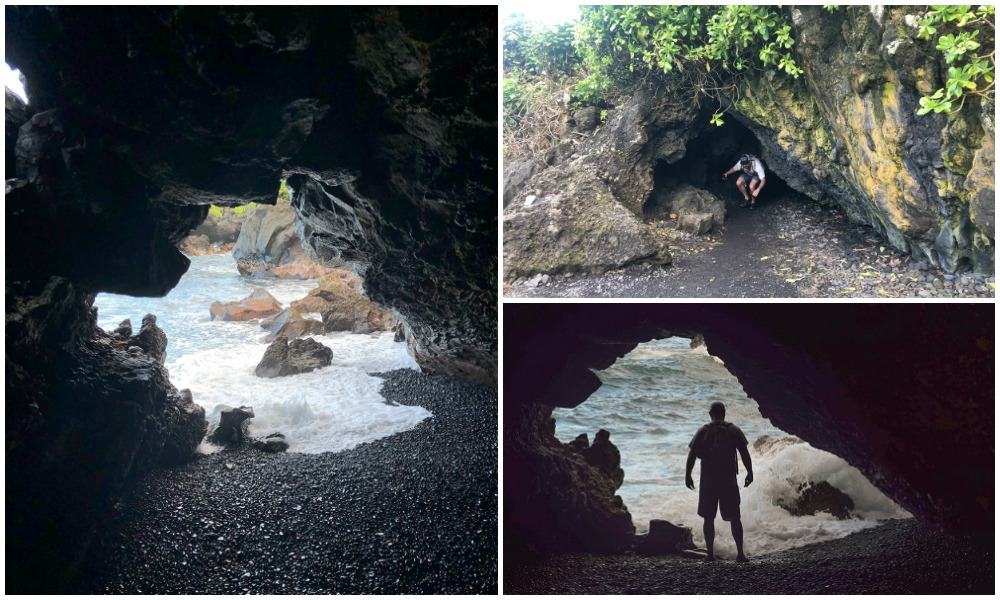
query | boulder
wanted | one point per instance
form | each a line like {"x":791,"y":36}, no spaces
{"x":291,"y":324}
{"x":817,"y":497}
{"x":585,"y":120}
{"x":685,"y":199}
{"x":269,"y":244}
{"x":300,"y":356}
{"x":196,"y":245}
{"x":185,"y":428}
{"x":233,"y":425}
{"x":338,"y":297}
{"x":515,"y":175}
{"x":272,"y":443}
{"x":696,"y":223}
{"x":664,"y":538}
{"x":257,"y":305}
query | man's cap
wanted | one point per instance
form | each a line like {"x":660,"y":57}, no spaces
{"x":717,"y":408}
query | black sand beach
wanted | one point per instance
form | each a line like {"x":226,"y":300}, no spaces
{"x":415,"y":512}
{"x":897,"y":557}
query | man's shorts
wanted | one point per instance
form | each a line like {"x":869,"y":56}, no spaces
{"x":747,"y":179}
{"x":721,"y":493}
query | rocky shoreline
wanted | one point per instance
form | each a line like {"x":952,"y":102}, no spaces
{"x":414,"y":512}
{"x":896,"y":557}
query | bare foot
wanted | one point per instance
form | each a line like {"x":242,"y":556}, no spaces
{"x":742,"y":558}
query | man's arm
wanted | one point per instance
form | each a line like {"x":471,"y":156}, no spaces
{"x":731,"y":171}
{"x":688,"y":480}
{"x":745,"y":455}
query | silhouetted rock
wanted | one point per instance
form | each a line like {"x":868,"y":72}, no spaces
{"x":664,"y":538}
{"x":124,"y":329}
{"x":233,"y":424}
{"x":299,"y":356}
{"x":151,"y":339}
{"x":817,"y":497}
{"x":272,"y":443}
{"x":580,"y":442}
{"x":258,"y":304}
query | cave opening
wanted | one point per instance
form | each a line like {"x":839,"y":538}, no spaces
{"x":249,"y":283}
{"x":13,"y":80}
{"x":712,"y":152}
{"x":654,"y":399}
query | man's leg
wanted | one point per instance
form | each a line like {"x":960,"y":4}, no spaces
{"x":743,"y":188}
{"x":709,"y":531}
{"x":737,"y":526}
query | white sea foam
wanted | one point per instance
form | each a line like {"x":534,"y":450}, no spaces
{"x":326,"y":410}
{"x":768,"y":527}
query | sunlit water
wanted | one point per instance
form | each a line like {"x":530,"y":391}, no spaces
{"x":326,"y":410}
{"x":654,"y":400}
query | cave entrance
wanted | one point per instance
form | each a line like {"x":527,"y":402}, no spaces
{"x":715,"y":150}
{"x":655,"y":398}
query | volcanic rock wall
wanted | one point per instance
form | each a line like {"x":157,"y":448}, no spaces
{"x":902,"y":392}
{"x":846,"y":133}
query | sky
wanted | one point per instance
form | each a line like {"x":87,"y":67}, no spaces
{"x":12,"y":83}
{"x":541,"y":11}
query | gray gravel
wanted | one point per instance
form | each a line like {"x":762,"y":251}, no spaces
{"x":415,"y":512}
{"x":898,"y":557}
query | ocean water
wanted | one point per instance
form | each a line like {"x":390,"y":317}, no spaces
{"x":654,"y":400}
{"x":326,"y":410}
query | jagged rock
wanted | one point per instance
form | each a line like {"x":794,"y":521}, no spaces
{"x":291,"y":324}
{"x":817,"y":497}
{"x":16,"y":113}
{"x":186,"y":427}
{"x":339,"y":299}
{"x":515,"y":176}
{"x":124,"y":329}
{"x":150,"y":339}
{"x":400,"y":333}
{"x":664,"y":538}
{"x":257,"y":305}
{"x":300,"y":356}
{"x":696,"y":223}
{"x":269,"y":244}
{"x":580,"y":442}
{"x":233,"y":425}
{"x":272,"y":443}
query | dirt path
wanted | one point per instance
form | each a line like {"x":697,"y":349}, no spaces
{"x":789,"y":246}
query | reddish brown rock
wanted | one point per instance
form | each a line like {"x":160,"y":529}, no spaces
{"x":257,"y":305}
{"x":340,"y":299}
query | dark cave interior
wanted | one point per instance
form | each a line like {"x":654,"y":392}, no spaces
{"x":709,"y":155}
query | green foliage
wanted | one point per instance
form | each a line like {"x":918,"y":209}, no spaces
{"x":284,"y":194}
{"x":831,"y":8}
{"x":537,"y":51}
{"x":964,"y":30}
{"x":218,"y":212}
{"x":705,"y":45}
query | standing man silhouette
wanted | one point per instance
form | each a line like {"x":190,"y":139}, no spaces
{"x":717,"y":444}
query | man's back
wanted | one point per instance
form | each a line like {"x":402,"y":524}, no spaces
{"x":716,"y":444}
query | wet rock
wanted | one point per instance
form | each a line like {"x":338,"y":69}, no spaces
{"x":291,"y":324}
{"x":196,"y":245}
{"x":186,"y":427}
{"x":299,"y":356}
{"x":338,"y":297}
{"x":124,"y":329}
{"x":150,"y":339}
{"x":817,"y":497}
{"x":272,"y":443}
{"x":580,"y":442}
{"x":258,"y":304}
{"x":664,"y":538}
{"x":233,"y":425}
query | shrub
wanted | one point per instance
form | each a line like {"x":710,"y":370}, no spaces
{"x":965,"y":31}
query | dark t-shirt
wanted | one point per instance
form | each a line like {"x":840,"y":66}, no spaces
{"x":716,"y":445}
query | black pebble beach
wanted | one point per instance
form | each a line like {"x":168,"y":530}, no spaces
{"x":415,"y":512}
{"x":897,"y":557}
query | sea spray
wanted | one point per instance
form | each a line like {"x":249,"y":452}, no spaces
{"x":327,"y":410}
{"x":653,"y":401}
